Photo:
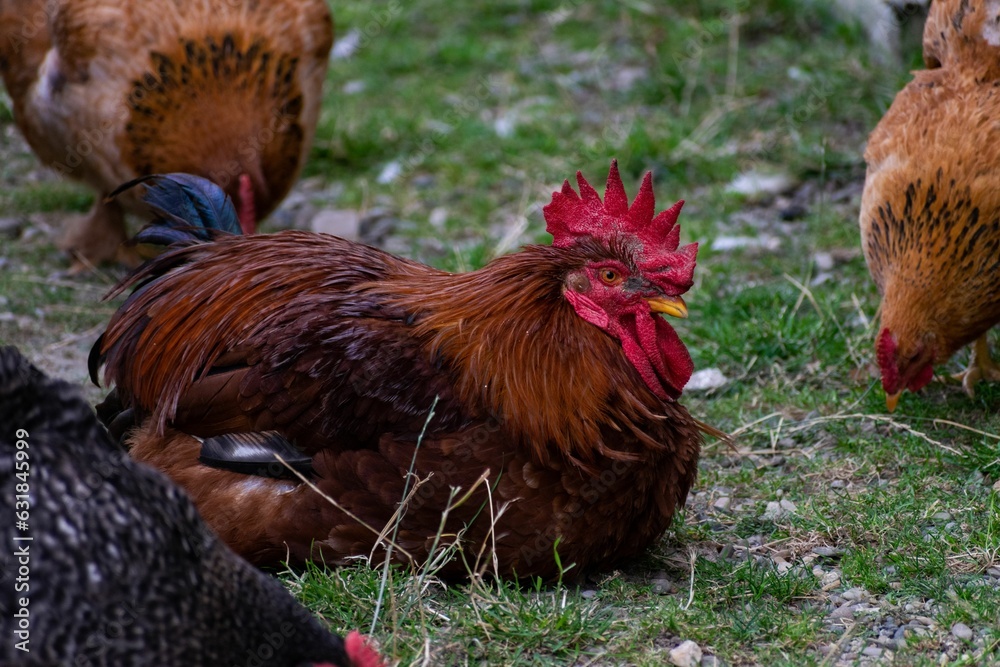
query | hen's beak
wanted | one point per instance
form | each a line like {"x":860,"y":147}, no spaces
{"x":891,"y":400}
{"x":671,"y":305}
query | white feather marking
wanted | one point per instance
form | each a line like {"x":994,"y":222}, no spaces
{"x":991,"y":30}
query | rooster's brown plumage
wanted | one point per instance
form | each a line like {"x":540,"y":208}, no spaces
{"x":552,"y":372}
{"x":930,"y":212}
{"x":106,"y":91}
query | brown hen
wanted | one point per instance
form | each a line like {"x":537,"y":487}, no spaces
{"x":930,"y":212}
{"x":549,"y":373}
{"x":106,"y":91}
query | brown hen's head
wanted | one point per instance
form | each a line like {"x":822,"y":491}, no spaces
{"x":644,"y":274}
{"x":902,"y":367}
{"x":959,"y":33}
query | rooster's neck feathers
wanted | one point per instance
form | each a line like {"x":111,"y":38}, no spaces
{"x":521,"y":353}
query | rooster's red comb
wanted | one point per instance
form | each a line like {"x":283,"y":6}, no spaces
{"x":571,"y":216}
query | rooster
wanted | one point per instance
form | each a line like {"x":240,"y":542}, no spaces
{"x":105,"y":91}
{"x":113,"y":564}
{"x":543,"y":385}
{"x":930,"y":212}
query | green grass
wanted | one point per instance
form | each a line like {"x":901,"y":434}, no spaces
{"x":485,"y":108}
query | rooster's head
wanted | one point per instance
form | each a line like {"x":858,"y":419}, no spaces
{"x":903,"y":365}
{"x":634,"y":272}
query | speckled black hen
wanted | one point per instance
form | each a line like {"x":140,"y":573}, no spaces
{"x":112,"y":564}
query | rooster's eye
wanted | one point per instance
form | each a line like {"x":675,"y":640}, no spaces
{"x":610,"y":277}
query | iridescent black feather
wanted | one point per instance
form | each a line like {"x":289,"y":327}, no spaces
{"x":189,"y":209}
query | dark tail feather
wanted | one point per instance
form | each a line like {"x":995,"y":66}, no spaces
{"x":189,"y":210}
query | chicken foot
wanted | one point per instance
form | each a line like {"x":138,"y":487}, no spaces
{"x":98,"y":237}
{"x":981,"y":367}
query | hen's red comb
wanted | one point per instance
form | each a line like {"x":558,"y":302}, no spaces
{"x":360,"y":653}
{"x":571,"y":216}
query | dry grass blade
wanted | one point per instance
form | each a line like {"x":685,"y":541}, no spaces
{"x":750,"y":426}
{"x":877,"y":418}
{"x":948,"y":422}
{"x":692,"y":559}
{"x":804,"y":293}
{"x":810,"y":423}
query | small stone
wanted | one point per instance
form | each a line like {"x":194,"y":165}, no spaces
{"x":994,"y":572}
{"x":792,"y":212}
{"x":788,"y":506}
{"x":827,"y":551}
{"x":347,"y":45}
{"x":377,"y":225}
{"x":831,"y":578}
{"x":996,"y":486}
{"x":664,"y":586}
{"x":942,"y":516}
{"x":588,"y":594}
{"x":823,"y":261}
{"x":764,"y":242}
{"x":706,"y":379}
{"x":845,"y":610}
{"x":688,"y":654}
{"x":354,"y":87}
{"x":872,"y":652}
{"x":838,"y":484}
{"x":924,"y":620}
{"x":423,"y":181}
{"x":962,"y":631}
{"x":821,"y":277}
{"x":390,"y":172}
{"x":11,"y":227}
{"x":438,"y":217}
{"x":773,"y":512}
{"x":855,"y":594}
{"x":757,"y":185}
{"x":343,"y":223}
{"x":722,"y":504}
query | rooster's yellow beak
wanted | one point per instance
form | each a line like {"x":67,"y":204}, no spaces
{"x":891,"y":400}
{"x":671,"y":305}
